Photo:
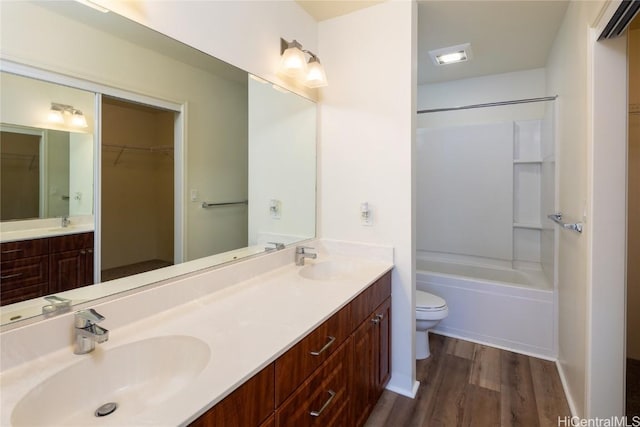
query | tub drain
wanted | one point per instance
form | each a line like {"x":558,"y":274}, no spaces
{"x":106,"y":409}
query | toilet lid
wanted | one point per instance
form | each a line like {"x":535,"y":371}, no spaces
{"x":427,"y":302}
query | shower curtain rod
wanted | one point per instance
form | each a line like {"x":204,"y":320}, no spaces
{"x":490,"y":104}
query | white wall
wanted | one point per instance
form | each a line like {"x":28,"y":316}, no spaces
{"x":367,"y":147}
{"x":567,"y":76}
{"x":465,"y":190}
{"x":282,"y":165}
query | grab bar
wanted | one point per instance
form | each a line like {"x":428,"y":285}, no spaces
{"x":557,"y":218}
{"x":213,"y":205}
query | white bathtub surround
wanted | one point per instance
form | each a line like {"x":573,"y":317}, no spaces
{"x":505,"y":308}
{"x":11,"y":231}
{"x":248,"y":313}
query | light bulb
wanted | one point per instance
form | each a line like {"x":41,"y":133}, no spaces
{"x":293,"y":62}
{"x":55,"y":116}
{"x":78,"y":119}
{"x":316,"y":76}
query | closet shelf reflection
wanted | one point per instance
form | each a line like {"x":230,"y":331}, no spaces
{"x":164,"y":149}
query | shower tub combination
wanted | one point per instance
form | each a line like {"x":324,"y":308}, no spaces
{"x":506,"y":308}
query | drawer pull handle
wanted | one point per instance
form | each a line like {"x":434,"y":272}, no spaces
{"x":317,"y":413}
{"x":376,"y":319}
{"x":10,"y":276}
{"x":326,"y":346}
{"x":12,"y":251}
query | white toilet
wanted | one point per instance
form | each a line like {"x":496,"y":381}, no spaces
{"x":430,"y":310}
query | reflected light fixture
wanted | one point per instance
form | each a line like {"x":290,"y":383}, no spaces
{"x":451,"y":54}
{"x":293,"y":63}
{"x":60,"y":113}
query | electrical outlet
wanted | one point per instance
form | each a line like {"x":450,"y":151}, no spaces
{"x":366,"y":216}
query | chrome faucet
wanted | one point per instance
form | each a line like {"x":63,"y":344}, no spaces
{"x":65,"y":221}
{"x":301,"y":254}
{"x":87,"y":333}
{"x":277,"y":246}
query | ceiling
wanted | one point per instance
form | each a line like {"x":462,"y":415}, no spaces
{"x":505,"y":36}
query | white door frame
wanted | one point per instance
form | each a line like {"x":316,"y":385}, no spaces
{"x":606,"y":227}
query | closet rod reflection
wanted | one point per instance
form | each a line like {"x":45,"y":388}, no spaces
{"x":213,"y":205}
{"x":490,"y":104}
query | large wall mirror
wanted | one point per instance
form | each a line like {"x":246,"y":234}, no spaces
{"x":197,"y":162}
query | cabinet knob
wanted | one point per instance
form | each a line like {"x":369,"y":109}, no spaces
{"x":82,"y":252}
{"x":375,"y":320}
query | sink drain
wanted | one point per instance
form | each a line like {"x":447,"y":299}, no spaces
{"x":106,"y":409}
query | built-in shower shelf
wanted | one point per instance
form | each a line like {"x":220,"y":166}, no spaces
{"x":528,"y":225}
{"x":527,"y":162}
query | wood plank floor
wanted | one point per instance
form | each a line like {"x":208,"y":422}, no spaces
{"x":467,"y":384}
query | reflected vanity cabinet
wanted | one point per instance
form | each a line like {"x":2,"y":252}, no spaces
{"x":38,"y":267}
{"x":331,"y":377}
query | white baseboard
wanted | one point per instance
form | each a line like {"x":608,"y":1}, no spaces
{"x":565,"y":387}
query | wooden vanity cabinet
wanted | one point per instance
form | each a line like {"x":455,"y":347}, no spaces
{"x":24,"y":270}
{"x":250,"y":405}
{"x":38,"y":267}
{"x":331,"y":378}
{"x":297,"y":364}
{"x":324,"y":399}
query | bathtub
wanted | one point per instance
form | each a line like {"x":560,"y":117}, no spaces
{"x":505,"y":308}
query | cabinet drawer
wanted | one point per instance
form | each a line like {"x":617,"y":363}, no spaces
{"x":324,"y":399}
{"x":24,"y":272}
{"x":369,"y":299}
{"x":293,"y":367}
{"x":22,"y":279}
{"x":23,"y":249}
{"x":71,"y":242}
{"x":247,"y":406}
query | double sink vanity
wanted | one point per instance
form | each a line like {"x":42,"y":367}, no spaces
{"x":262,"y":342}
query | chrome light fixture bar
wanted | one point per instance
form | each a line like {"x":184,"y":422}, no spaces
{"x":294,"y":63}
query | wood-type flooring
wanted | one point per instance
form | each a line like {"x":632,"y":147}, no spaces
{"x":468,"y":384}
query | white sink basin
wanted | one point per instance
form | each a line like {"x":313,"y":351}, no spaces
{"x":136,"y":376}
{"x":328,"y":270}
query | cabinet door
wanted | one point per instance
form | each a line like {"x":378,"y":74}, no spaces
{"x":382,"y":349}
{"x":363,"y":379}
{"x":66,"y":270}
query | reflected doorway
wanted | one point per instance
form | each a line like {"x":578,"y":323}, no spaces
{"x":137,"y":198}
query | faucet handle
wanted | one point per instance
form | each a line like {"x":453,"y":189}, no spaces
{"x":301,"y":249}
{"x":88,"y":317}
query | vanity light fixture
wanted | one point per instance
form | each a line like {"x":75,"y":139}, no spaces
{"x":58,"y":113}
{"x":451,"y":54}
{"x":293,"y":63}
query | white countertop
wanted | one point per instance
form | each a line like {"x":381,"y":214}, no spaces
{"x":13,"y":231}
{"x":247,"y":326}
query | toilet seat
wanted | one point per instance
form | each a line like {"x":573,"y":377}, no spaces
{"x":426,"y":302}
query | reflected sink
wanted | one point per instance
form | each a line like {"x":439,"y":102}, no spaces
{"x":328,"y":270}
{"x":136,"y":376}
